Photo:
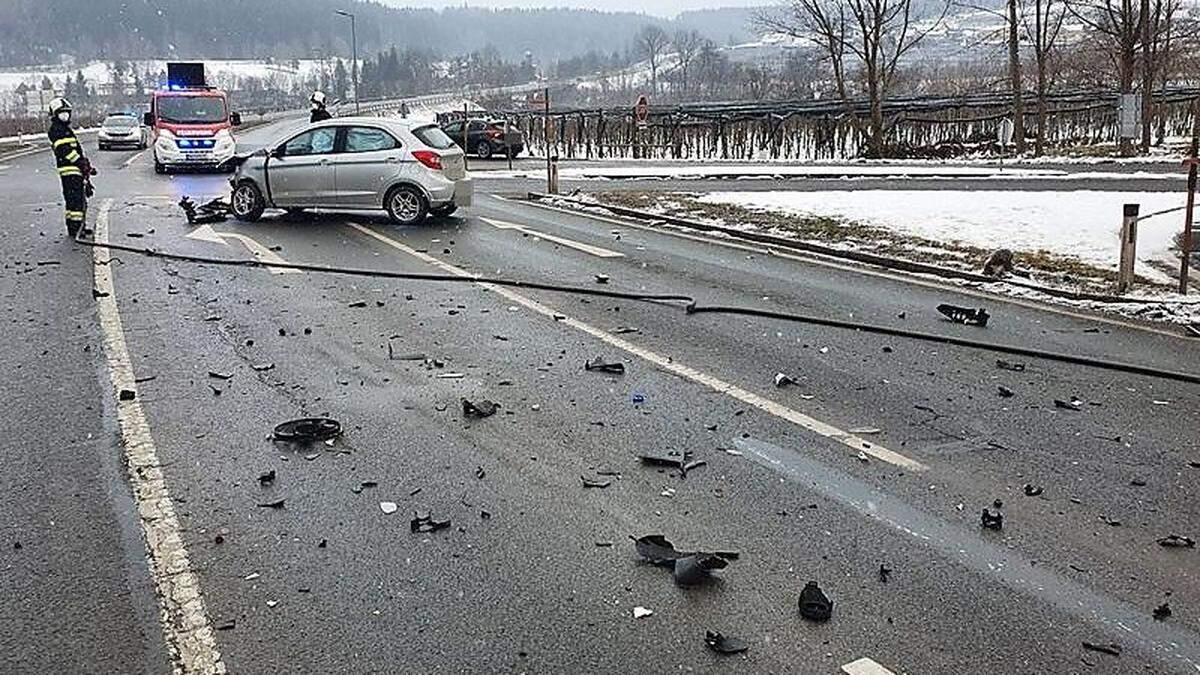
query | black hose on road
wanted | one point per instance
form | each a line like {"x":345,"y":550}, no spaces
{"x":689,"y":304}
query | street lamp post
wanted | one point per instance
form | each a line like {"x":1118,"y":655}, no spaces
{"x":354,"y":54}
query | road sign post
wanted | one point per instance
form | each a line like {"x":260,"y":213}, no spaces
{"x":641,"y":111}
{"x":1129,"y":222}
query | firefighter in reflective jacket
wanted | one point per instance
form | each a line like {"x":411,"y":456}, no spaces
{"x":316,"y":103}
{"x":74,"y":170}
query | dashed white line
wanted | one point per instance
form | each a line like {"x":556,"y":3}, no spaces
{"x":865,"y":666}
{"x":597,"y":251}
{"x":855,"y":443}
{"x":127,"y":163}
{"x":188,"y":632}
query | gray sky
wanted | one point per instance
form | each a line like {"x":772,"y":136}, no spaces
{"x":659,"y":7}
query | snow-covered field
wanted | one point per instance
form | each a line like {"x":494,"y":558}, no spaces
{"x":1082,"y":224}
{"x":221,"y":72}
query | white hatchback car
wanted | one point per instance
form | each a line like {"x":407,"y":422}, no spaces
{"x":409,"y":169}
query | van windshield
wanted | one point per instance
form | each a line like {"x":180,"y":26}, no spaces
{"x":191,"y":109}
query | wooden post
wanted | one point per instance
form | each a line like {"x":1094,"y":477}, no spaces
{"x":1185,"y":243}
{"x":1129,"y":222}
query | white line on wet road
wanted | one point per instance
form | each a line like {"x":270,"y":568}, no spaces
{"x":563,"y":241}
{"x":855,"y":443}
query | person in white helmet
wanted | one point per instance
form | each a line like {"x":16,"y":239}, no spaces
{"x":74,"y":170}
{"x":316,"y":103}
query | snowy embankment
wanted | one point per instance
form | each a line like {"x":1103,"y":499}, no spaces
{"x":1063,"y":240}
{"x":1082,"y":224}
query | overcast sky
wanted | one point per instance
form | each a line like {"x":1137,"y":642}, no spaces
{"x":660,"y":7}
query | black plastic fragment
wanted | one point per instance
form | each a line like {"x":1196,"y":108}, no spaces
{"x":1111,"y":648}
{"x":479,"y":409}
{"x":723,"y":644}
{"x":277,"y":504}
{"x":885,"y":573}
{"x":591,"y":483}
{"x":424,"y":522}
{"x":1032,"y":490}
{"x":965,"y":315}
{"x":671,"y":458}
{"x":991,"y":521}
{"x":656,"y":549}
{"x":1162,"y":612}
{"x":695,"y":569}
{"x":1176,"y":541}
{"x":267,"y":478}
{"x":1004,"y":391}
{"x":127,"y":395}
{"x":213,"y":211}
{"x":1073,"y":404}
{"x":814,"y":604}
{"x":308,"y":429}
{"x":601,"y":366}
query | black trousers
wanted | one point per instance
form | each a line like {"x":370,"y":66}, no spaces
{"x":76,"y":199}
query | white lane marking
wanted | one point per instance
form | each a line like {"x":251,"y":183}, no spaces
{"x":855,"y":443}
{"x":865,"y":666}
{"x":207,"y":233}
{"x":189,"y":634}
{"x":825,"y":261}
{"x":126,"y":164}
{"x":570,"y":243}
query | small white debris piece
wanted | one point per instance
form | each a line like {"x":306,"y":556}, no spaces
{"x":862,"y":457}
{"x":272,"y":603}
{"x":388,"y":507}
{"x":824,"y":350}
{"x":642,"y":612}
{"x":449,"y":376}
{"x":1162,"y":403}
{"x":252,"y":576}
{"x":668,"y":492}
{"x":783,"y":380}
{"x":807,"y":397}
{"x":731,"y":451}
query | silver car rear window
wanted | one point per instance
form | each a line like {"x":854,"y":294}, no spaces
{"x":434,"y":137}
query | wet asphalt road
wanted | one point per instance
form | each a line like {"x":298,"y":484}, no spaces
{"x":547,"y":580}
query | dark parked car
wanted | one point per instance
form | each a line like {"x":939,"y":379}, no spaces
{"x":487,"y":137}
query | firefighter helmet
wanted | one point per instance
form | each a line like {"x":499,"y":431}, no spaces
{"x":317,"y":98}
{"x":57,"y":105}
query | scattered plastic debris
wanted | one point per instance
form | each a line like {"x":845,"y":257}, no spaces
{"x":1111,"y":648}
{"x":623,"y":330}
{"x":479,"y":409}
{"x":308,"y":430}
{"x":965,"y":315}
{"x":689,"y":568}
{"x":212,"y":211}
{"x":782,"y":380}
{"x":642,"y":612}
{"x":695,"y":569}
{"x":1004,"y":391}
{"x":277,"y":504}
{"x":1010,"y":365}
{"x":602,"y":366}
{"x":674,"y":459}
{"x":591,"y":483}
{"x":1162,"y":612}
{"x":267,"y":478}
{"x":991,"y":521}
{"x":602,"y":278}
{"x":814,"y":604}
{"x":1073,"y":404}
{"x":1109,"y":520}
{"x":1032,"y":490}
{"x":722,"y":644}
{"x":127,"y":395}
{"x":388,"y":508}
{"x":1176,"y":541}
{"x":424,"y":522}
{"x":885,"y":573}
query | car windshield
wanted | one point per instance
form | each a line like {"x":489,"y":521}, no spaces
{"x":433,"y":137}
{"x":120,"y":121}
{"x":191,"y":109}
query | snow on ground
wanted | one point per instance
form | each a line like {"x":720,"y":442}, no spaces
{"x":770,"y":171}
{"x":1082,"y":224}
{"x":220,"y":72}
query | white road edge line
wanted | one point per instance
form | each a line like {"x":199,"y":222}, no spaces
{"x":126,"y":164}
{"x":186,"y":627}
{"x":766,"y":405}
{"x":865,"y":666}
{"x":563,"y":241}
{"x":818,"y":259}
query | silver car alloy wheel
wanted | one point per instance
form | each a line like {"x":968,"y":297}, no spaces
{"x":243,"y":200}
{"x":406,"y":205}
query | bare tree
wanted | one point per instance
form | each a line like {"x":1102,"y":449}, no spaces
{"x":860,"y":38}
{"x":687,"y":44}
{"x":1118,"y":25}
{"x":1043,"y":21}
{"x":652,"y":42}
{"x":1016,"y":82}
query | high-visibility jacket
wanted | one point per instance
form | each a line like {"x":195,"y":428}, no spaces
{"x":68,"y":151}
